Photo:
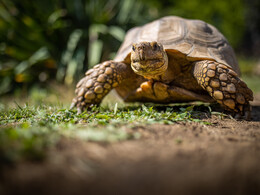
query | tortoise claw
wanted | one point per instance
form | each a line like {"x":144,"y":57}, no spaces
{"x":73,"y":104}
{"x":246,"y":114}
{"x":79,"y":110}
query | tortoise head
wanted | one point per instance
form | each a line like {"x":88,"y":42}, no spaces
{"x":149,"y":59}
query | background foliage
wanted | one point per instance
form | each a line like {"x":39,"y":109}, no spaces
{"x":60,"y":39}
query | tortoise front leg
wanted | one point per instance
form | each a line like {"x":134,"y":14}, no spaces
{"x":98,"y":81}
{"x":223,"y":84}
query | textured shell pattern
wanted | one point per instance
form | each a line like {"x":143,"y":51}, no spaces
{"x":196,"y":39}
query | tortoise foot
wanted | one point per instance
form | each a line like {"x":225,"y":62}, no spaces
{"x":98,"y":81}
{"x":224,"y":85}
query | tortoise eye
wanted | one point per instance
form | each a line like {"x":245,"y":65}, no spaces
{"x":155,"y":46}
{"x":133,"y":48}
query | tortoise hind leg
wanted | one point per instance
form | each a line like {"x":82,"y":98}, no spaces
{"x":223,"y":84}
{"x":98,"y":81}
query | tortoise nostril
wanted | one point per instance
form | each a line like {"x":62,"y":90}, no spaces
{"x":133,"y":48}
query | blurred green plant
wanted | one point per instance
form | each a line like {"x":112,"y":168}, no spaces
{"x":61,"y":39}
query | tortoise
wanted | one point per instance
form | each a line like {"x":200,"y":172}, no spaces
{"x":169,"y":60}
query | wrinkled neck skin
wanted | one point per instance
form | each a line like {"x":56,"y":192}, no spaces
{"x":149,"y":60}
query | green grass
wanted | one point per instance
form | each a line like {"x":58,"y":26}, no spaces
{"x":27,"y":132}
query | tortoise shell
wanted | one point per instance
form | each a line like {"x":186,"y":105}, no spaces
{"x":201,"y":66}
{"x":195,"y":39}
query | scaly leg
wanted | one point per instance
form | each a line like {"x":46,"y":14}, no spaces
{"x":98,"y":81}
{"x":223,"y":84}
{"x":160,"y":92}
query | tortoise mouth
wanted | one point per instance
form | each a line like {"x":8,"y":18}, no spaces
{"x":149,"y":68}
{"x":148,"y":61}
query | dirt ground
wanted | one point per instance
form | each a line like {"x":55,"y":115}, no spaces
{"x":183,"y":158}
